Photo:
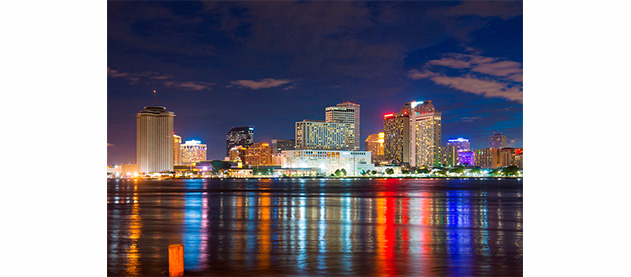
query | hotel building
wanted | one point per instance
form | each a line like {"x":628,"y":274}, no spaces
{"x":374,"y":144}
{"x":258,"y":154}
{"x":459,"y":143}
{"x":154,"y":139}
{"x":193,"y":151}
{"x":346,"y":112}
{"x":396,"y":146}
{"x":425,"y":133}
{"x":328,"y":161}
{"x":177,"y":152}
{"x":317,"y":134}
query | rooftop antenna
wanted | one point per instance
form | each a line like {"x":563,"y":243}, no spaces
{"x":154,"y":97}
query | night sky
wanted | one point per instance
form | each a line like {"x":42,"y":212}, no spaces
{"x":219,"y":65}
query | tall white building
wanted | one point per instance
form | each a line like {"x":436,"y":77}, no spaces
{"x":328,"y":161}
{"x":346,"y":112}
{"x":193,"y":151}
{"x":317,"y":134}
{"x":154,"y":139}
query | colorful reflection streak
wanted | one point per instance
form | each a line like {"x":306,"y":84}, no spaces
{"x":318,"y":227}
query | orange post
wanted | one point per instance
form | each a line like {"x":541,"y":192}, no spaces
{"x":176,"y":260}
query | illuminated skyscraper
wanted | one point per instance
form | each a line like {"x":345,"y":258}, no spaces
{"x":497,"y":140}
{"x":413,"y":135}
{"x":279,"y":145}
{"x":487,"y":158}
{"x":243,"y":136}
{"x":396,"y":129}
{"x":177,"y":152}
{"x":154,"y":139}
{"x":258,"y":154}
{"x":193,"y":151}
{"x":374,"y":144}
{"x":425,"y":133}
{"x":346,"y":112}
{"x":317,"y":134}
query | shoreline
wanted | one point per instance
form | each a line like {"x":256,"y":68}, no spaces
{"x":332,"y":178}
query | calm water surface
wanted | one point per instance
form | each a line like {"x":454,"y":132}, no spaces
{"x":317,"y":227}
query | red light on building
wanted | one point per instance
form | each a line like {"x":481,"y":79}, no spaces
{"x":388,"y":115}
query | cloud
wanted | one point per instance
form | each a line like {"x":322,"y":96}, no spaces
{"x":502,"y":9}
{"x":485,"y":76}
{"x":157,"y":78}
{"x":263,"y":83}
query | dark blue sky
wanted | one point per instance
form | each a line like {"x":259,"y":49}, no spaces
{"x":218,"y":65}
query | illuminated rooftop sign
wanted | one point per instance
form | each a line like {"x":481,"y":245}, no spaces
{"x":458,"y":140}
{"x":193,"y":142}
{"x":415,"y":103}
{"x":388,"y":115}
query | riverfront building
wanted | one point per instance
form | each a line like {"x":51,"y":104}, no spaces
{"x":154,"y":139}
{"x":278,"y":145}
{"x":258,"y":154}
{"x":413,"y":136}
{"x":346,"y":112}
{"x":396,"y":147}
{"x":328,"y":161}
{"x":193,"y":151}
{"x":317,"y":134}
{"x":177,"y":152}
{"x":449,"y":155}
{"x":243,"y":136}
{"x":487,"y":158}
{"x":374,"y":144}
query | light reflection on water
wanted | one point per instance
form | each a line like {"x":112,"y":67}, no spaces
{"x":317,"y":227}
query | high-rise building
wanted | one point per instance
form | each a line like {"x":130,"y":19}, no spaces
{"x":466,"y":157}
{"x":425,"y":133}
{"x":193,"y":151}
{"x":258,"y":154}
{"x":346,"y":112}
{"x":317,"y":134}
{"x":449,"y":155}
{"x":459,"y":143}
{"x":279,"y":145}
{"x":243,"y":136}
{"x":374,"y":144}
{"x":497,"y":140}
{"x":510,"y":157}
{"x":396,"y":129}
{"x":487,"y":157}
{"x":154,"y":139}
{"x":413,"y":135}
{"x":177,"y":152}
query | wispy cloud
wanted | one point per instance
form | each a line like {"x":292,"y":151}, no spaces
{"x":150,"y":77}
{"x":485,"y":76}
{"x":262,"y":83}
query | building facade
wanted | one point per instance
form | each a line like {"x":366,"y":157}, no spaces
{"x":374,"y":144}
{"x":497,"y":140}
{"x":348,"y":113}
{"x":316,"y":134}
{"x":449,"y":155}
{"x":154,"y":139}
{"x":278,"y":145}
{"x":466,"y":157}
{"x":353,"y":162}
{"x":425,"y":133}
{"x":193,"y":151}
{"x":237,"y":154}
{"x":243,"y":136}
{"x":396,"y":129}
{"x":258,"y":154}
{"x":177,"y":152}
{"x":487,"y":158}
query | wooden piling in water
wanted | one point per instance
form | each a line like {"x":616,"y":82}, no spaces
{"x":176,"y":260}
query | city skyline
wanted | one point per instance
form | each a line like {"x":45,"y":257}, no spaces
{"x":217,"y":66}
